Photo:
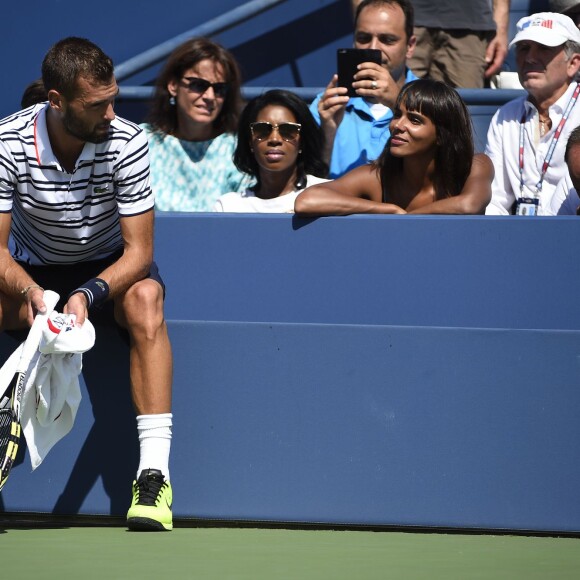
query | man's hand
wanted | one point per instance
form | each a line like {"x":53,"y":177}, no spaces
{"x":332,"y":105}
{"x":373,"y":81}
{"x":77,"y":305}
{"x":331,"y":108}
{"x":495,"y":55}
{"x":498,"y":48}
{"x":34,"y":303}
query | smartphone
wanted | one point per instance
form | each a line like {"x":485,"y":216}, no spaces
{"x":347,"y":60}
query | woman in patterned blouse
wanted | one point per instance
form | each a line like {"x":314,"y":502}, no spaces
{"x":192,"y":128}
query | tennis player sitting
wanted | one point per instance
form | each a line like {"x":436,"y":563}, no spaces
{"x":76,"y":217}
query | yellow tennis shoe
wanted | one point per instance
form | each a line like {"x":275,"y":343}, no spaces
{"x":150,"y":509}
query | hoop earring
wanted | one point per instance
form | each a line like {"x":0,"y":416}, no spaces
{"x":172,"y":101}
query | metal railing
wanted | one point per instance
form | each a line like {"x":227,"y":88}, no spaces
{"x":144,"y":93}
{"x":215,"y":26}
{"x":472,"y":97}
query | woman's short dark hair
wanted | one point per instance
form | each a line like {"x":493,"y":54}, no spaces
{"x":72,"y":58}
{"x":163,"y":115}
{"x":311,"y":138}
{"x":454,"y":133}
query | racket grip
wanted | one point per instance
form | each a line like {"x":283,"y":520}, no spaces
{"x":32,"y":341}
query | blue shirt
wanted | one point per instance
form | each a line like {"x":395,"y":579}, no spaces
{"x":360,"y":137}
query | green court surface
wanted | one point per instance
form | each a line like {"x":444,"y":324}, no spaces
{"x":247,"y":553}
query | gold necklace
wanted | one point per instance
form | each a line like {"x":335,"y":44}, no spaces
{"x":545,"y":125}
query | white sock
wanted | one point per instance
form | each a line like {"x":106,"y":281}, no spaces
{"x":154,"y":442}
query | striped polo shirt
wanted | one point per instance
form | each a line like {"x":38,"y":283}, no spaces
{"x":65,"y":218}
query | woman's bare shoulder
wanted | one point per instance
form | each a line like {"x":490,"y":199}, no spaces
{"x":364,"y":178}
{"x":481,"y":160}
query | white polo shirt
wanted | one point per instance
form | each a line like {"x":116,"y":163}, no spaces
{"x":503,"y":149}
{"x":60,"y":217}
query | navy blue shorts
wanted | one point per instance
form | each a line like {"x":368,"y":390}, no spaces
{"x":64,"y":278}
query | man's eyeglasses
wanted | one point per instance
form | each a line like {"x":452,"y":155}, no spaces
{"x":197,"y":85}
{"x":288,"y":131}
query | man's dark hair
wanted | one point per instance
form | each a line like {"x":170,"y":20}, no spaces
{"x":405,"y":5}
{"x":72,"y":58}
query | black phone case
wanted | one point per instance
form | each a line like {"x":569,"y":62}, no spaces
{"x":347,"y":60}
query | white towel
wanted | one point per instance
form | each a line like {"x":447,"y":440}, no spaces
{"x":52,"y":392}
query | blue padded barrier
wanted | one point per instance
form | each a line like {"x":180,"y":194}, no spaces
{"x":366,"y":370}
{"x":471,"y":271}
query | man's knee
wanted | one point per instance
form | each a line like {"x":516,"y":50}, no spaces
{"x":141,"y":306}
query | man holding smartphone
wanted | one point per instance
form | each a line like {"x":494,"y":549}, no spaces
{"x":356,"y":129}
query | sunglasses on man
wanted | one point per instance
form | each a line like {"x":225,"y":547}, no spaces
{"x":262,"y":130}
{"x":197,"y":85}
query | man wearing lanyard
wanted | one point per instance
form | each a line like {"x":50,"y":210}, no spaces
{"x":527,"y":137}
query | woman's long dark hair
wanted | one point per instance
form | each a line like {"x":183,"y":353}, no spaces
{"x":311,"y":138}
{"x":454,"y":147}
{"x":163,"y":116}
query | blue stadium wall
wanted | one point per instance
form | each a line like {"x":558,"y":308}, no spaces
{"x":368,"y":370}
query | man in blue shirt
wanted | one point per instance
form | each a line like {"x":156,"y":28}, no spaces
{"x":356,"y":129}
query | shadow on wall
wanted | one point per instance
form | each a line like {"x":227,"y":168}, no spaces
{"x":112,"y":435}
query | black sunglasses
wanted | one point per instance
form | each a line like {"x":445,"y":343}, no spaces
{"x":197,"y":85}
{"x":262,"y":130}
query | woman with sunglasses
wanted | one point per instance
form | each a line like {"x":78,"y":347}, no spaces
{"x":280,"y":145}
{"x":191,"y":127}
{"x":427,"y":166}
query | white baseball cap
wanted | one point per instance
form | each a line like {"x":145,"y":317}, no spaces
{"x":547,"y":28}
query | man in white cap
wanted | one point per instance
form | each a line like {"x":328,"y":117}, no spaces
{"x":527,"y":137}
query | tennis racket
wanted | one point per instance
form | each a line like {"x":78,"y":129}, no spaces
{"x":10,"y":429}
